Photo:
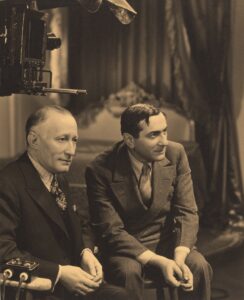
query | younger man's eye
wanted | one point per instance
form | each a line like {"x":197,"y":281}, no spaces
{"x":61,"y":139}
{"x":153,"y":135}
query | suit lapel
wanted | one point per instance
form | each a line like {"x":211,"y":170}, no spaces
{"x":163,"y":175}
{"x":124,"y":184}
{"x":40,"y":194}
{"x":126,"y":190}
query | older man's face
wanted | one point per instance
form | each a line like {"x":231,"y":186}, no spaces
{"x":57,"y":137}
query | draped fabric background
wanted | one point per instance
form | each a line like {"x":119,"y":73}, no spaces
{"x":177,"y":50}
{"x":106,"y":55}
{"x":57,"y":59}
{"x":208,"y":27}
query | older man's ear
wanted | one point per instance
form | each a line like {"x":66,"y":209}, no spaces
{"x":32,"y":139}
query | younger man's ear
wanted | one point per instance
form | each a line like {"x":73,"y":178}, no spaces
{"x":32,"y":139}
{"x":129,"y":140}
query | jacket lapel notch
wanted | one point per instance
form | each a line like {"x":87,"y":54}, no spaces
{"x":123,"y":184}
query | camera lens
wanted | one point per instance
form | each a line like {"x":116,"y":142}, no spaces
{"x":52,"y":41}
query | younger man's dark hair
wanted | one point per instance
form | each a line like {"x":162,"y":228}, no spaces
{"x":133,"y":115}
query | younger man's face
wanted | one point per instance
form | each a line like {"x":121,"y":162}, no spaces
{"x":152,"y":141}
{"x":57,"y":137}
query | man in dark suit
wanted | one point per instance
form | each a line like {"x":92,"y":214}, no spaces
{"x":143,"y":208}
{"x":38,"y":219}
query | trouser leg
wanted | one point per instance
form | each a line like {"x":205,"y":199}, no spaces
{"x":110,"y":292}
{"x":202,"y":275}
{"x":126,"y":272}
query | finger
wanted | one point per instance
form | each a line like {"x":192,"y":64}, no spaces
{"x":172,"y":280}
{"x":187,"y":288}
{"x":87,"y":275}
{"x":189,"y":276}
{"x":79,"y":290}
{"x":77,"y":294}
{"x":185,"y":273}
{"x":99,"y":271}
{"x":178,"y":272}
{"x":90,"y":283}
{"x":85,"y":289}
{"x":92,"y":269}
{"x":186,"y":285}
{"x":98,"y":279}
{"x":190,"y":281}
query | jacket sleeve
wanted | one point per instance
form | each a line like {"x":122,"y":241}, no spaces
{"x":105,"y":218}
{"x":184,"y":206}
{"x":10,"y":219}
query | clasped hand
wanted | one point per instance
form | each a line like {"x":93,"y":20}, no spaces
{"x":82,"y":280}
{"x":176,"y":274}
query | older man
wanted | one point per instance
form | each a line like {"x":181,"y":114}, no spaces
{"x":38,"y":220}
{"x":144,"y":211}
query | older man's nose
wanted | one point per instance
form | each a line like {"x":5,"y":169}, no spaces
{"x":71,"y":147}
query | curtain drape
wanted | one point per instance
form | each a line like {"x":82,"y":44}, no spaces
{"x":177,"y":50}
{"x":106,"y":55}
{"x":208,"y":26}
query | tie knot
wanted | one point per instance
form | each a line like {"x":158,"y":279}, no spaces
{"x":146,"y":169}
{"x":54,"y":185}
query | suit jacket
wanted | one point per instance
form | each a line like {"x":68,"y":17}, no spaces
{"x":124,"y":225}
{"x":31,"y":225}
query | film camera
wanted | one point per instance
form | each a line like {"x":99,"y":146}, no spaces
{"x":24,"y":41}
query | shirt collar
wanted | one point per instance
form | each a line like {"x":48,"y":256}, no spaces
{"x":45,"y":175}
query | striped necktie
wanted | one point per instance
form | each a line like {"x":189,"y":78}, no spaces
{"x":58,"y":194}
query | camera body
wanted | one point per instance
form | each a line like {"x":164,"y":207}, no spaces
{"x":18,"y":266}
{"x":23,"y":44}
{"x":24,"y":41}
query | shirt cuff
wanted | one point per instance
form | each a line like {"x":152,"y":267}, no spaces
{"x":182,"y":249}
{"x":181,"y":253}
{"x":144,"y":257}
{"x":58,"y":277}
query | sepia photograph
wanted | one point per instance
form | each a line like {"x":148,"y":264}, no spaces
{"x":122,"y":150}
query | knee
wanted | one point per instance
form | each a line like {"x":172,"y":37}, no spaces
{"x":109,"y":292}
{"x":122,"y":294}
{"x":130,"y":270}
{"x":125,"y":270}
{"x":199,"y":266}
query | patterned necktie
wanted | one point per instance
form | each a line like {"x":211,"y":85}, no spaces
{"x":145,"y":185}
{"x":58,"y":194}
